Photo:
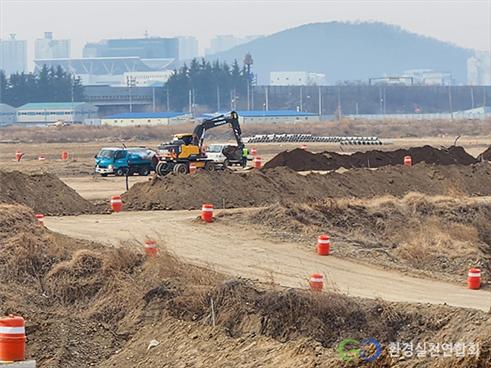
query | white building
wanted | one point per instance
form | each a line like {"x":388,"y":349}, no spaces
{"x":188,"y":47}
{"x":479,"y":69}
{"x":147,"y":79}
{"x":297,"y":78}
{"x":13,"y":55}
{"x":428,"y":77}
{"x":52,"y":112}
{"x":7,"y":114}
{"x":146,"y":119}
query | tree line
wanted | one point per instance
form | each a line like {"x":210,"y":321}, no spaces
{"x":205,"y":83}
{"x":48,"y":85}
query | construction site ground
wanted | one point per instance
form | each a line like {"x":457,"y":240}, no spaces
{"x":86,"y":271}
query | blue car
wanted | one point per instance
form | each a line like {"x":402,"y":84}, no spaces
{"x":125,"y":161}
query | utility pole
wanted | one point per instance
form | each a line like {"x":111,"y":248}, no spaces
{"x":320,"y":101}
{"x":153,"y":99}
{"x":340,"y":112}
{"x":301,"y":98}
{"x":252,"y":97}
{"x":130,"y":81}
{"x":190,"y":102}
{"x":168,"y":102}
{"x":267,"y":98}
{"x":384,"y":100}
{"x":218,"y":98}
{"x":450,"y":104}
{"x":472,"y":97}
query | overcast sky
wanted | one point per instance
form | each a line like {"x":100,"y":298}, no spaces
{"x":463,"y":22}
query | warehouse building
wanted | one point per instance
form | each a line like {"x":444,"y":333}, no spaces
{"x":7,"y":114}
{"x":146,"y":118}
{"x":277,"y":116}
{"x":52,"y":112}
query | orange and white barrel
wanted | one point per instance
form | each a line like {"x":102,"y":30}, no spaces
{"x":192,"y":168}
{"x":150,"y":248}
{"x":303,"y":146}
{"x":316,"y":282}
{"x":116,"y":203}
{"x":258,"y":163}
{"x":64,"y":155}
{"x":41,"y":158}
{"x":408,"y":161}
{"x":12,"y":339}
{"x":253,"y":151}
{"x":323,"y":245}
{"x":207,"y":212}
{"x":40,"y":219}
{"x":474,"y":278}
{"x":18,"y":155}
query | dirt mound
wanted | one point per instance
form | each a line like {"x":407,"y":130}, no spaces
{"x":260,"y":188}
{"x":88,"y":305}
{"x":486,"y":155}
{"x":44,"y":193}
{"x":441,"y":237}
{"x":302,"y":160}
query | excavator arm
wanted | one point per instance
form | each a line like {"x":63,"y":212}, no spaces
{"x":232,"y":119}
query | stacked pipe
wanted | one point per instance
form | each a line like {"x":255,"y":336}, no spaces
{"x":308,"y":138}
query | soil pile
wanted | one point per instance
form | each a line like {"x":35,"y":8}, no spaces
{"x":486,"y":155}
{"x":259,"y":188}
{"x":441,"y":237}
{"x":44,"y":193}
{"x":88,"y":305}
{"x":302,"y":160}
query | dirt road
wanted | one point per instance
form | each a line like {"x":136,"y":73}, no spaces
{"x":242,"y":252}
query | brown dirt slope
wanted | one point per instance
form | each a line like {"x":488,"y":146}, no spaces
{"x":265,"y":187}
{"x":44,"y":193}
{"x":440,"y":236}
{"x":301,"y":160}
{"x":88,"y":305}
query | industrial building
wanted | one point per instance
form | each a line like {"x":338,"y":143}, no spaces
{"x":428,"y":77}
{"x":52,"y":112}
{"x":146,"y":118}
{"x":49,"y":48}
{"x":297,"y":78}
{"x":277,"y":116}
{"x":226,"y":42}
{"x":13,"y":55}
{"x":105,"y":70}
{"x":144,"y":48}
{"x":7,"y":114}
{"x":479,"y":69}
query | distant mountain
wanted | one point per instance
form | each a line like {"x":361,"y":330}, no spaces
{"x":349,"y":51}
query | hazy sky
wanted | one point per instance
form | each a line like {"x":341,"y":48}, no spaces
{"x":463,"y":22}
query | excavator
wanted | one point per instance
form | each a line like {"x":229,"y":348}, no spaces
{"x":185,"y":149}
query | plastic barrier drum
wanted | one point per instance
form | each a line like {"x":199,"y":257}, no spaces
{"x":253,"y":151}
{"x":474,"y":278}
{"x":116,"y":203}
{"x":18,"y":155}
{"x":40,"y":219}
{"x":207,"y":212}
{"x":192,"y":168}
{"x":257,"y":162}
{"x":64,"y":155}
{"x":12,"y":338}
{"x":408,"y":161}
{"x":150,"y":248}
{"x":316,"y":282}
{"x":323,"y":245}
